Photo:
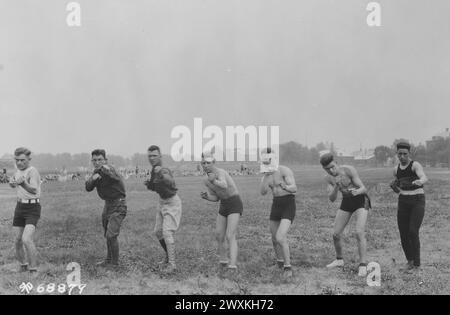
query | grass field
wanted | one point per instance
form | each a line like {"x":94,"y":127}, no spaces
{"x":70,"y":230}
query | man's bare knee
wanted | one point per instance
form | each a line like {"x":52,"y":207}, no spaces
{"x":27,"y":240}
{"x":360,"y":235}
{"x":280,"y":239}
{"x":220,"y":237}
{"x":231,"y":237}
{"x":159,"y":234}
{"x":19,"y":242}
{"x":274,"y":239}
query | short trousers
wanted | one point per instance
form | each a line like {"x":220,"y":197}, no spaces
{"x":25,"y":214}
{"x":168,"y":216}
{"x":283,"y":208}
{"x":113,"y":215}
{"x":231,"y":205}
{"x":351,"y":204}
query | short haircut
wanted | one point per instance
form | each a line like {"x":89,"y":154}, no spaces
{"x":99,"y":152}
{"x":22,"y":150}
{"x":403,"y":145}
{"x":326,"y":159}
{"x":154,"y":148}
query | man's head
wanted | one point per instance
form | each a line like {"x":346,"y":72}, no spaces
{"x":98,"y":158}
{"x":403,"y":152}
{"x":154,"y":155}
{"x":22,"y":157}
{"x":329,"y":164}
{"x":208,"y":162}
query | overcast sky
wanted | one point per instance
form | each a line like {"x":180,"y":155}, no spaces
{"x":136,"y":69}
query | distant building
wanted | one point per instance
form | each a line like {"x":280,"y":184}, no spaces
{"x":363,"y":157}
{"x":439,"y":137}
{"x":442,"y":135}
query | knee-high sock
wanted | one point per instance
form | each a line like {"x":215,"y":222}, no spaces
{"x":114,"y":248}
{"x":163,"y":244}
{"x":171,"y":253}
{"x":108,"y":250}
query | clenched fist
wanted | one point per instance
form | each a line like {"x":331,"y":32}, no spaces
{"x":212,"y":177}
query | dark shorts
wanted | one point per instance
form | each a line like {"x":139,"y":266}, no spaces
{"x":25,"y":214}
{"x":231,"y":205}
{"x":351,"y":204}
{"x":283,"y":208}
{"x":113,"y":214}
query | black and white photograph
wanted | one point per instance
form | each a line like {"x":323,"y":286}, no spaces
{"x":224,"y":153}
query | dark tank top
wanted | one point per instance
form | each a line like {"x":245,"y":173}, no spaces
{"x":406,"y":178}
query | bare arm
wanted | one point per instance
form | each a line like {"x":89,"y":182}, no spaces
{"x":209,"y":195}
{"x":32,"y":186}
{"x":353,"y":174}
{"x":332,"y":190}
{"x":220,"y":181}
{"x":394,"y":182}
{"x":289,"y":179}
{"x":29,"y":188}
{"x":264,"y":185}
{"x":418,"y":169}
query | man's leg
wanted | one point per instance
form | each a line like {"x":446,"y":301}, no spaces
{"x":232,"y":226}
{"x":221,"y":228}
{"x":403,"y":219}
{"x":171,"y":222}
{"x":340,"y":222}
{"x":114,"y":249}
{"x":112,"y":234}
{"x":274,"y":225}
{"x":361,"y":220}
{"x":20,"y":252}
{"x":159,"y":234}
{"x":28,"y":242}
{"x":281,"y":238}
{"x":105,"y":222}
{"x":417,"y":215}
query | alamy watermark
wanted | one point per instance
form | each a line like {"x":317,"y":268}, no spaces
{"x":233,"y":143}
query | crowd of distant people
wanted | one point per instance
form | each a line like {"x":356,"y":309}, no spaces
{"x":137,"y":173}
{"x":4,"y":179}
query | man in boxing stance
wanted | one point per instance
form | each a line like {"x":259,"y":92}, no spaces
{"x":345,"y":178}
{"x":408,"y":183}
{"x":221,"y":187}
{"x":281,"y":182}
{"x":27,"y":183}
{"x":111,"y":189}
{"x":168,"y":215}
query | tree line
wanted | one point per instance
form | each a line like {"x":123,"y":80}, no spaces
{"x":436,"y":153}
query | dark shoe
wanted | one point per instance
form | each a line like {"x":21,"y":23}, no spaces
{"x":170,"y":269}
{"x":223,"y":264}
{"x":33,"y":273}
{"x":287,"y":272}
